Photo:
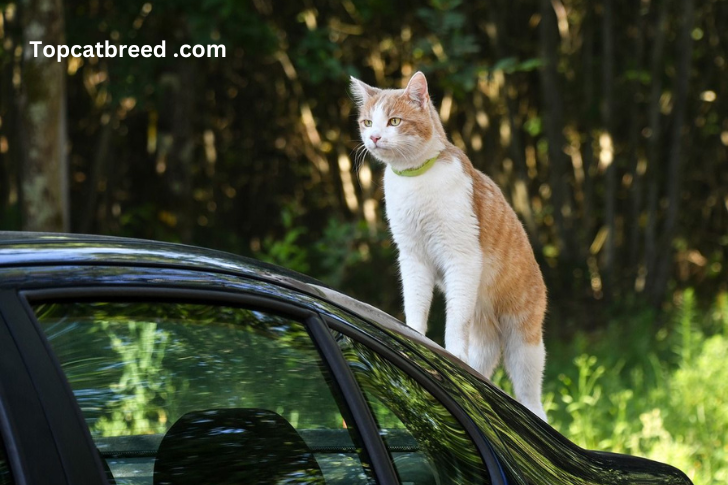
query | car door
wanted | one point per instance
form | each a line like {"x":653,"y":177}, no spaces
{"x":148,"y":367}
{"x":169,"y":383}
{"x":429,"y":437}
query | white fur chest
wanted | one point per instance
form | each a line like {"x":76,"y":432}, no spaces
{"x":431,"y":215}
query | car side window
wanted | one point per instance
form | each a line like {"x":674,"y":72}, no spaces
{"x":5,"y":477}
{"x":182,"y":393}
{"x":426,"y":442}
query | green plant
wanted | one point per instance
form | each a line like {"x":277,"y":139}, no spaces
{"x":287,"y":251}
{"x":658,"y":394}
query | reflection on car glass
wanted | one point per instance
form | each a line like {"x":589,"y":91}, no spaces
{"x":426,"y":442}
{"x":156,"y":381}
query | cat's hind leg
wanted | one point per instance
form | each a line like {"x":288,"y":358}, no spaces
{"x":484,"y":350}
{"x":525,"y":359}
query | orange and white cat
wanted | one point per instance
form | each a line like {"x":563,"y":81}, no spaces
{"x":454,"y":229}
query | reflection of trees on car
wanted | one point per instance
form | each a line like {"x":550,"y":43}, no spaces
{"x":398,"y":401}
{"x":144,"y":384}
{"x":151,"y":363}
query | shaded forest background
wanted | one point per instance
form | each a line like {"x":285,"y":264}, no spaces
{"x":604,"y":123}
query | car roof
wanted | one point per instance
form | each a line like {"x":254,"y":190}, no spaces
{"x":38,"y":248}
{"x":23,"y":249}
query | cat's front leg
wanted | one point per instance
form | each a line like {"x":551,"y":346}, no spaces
{"x":461,"y":281}
{"x":418,"y":284}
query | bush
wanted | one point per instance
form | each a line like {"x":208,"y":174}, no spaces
{"x":669,"y":403}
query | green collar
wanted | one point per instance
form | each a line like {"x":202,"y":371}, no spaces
{"x":414,"y":172}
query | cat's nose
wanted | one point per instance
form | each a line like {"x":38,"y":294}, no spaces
{"x":375,"y":138}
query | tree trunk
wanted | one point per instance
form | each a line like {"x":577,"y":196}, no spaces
{"x":682,"y":78}
{"x":516,"y":146}
{"x":13,"y":157}
{"x":588,"y":109}
{"x":8,"y":125}
{"x":554,"y":123}
{"x":44,"y":171}
{"x":97,"y":173}
{"x":636,"y":124}
{"x":653,"y":143}
{"x":182,"y":150}
{"x":610,"y":174}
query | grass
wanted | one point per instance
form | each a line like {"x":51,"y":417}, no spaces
{"x":658,"y":393}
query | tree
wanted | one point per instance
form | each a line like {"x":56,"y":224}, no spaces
{"x":554,"y":123}
{"x":682,"y":77}
{"x":606,"y":142}
{"x":44,"y":166}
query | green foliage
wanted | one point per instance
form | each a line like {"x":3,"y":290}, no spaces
{"x":686,"y":315}
{"x":580,"y":396}
{"x":143,"y":385}
{"x":137,"y":367}
{"x":318,"y":58}
{"x":443,"y":18}
{"x":450,"y":48}
{"x":509,"y":65}
{"x":669,"y":403}
{"x":338,"y":250}
{"x":347,"y":255}
{"x":288,"y":250}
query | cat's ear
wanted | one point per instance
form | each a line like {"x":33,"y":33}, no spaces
{"x":416,"y":89}
{"x":361,"y":91}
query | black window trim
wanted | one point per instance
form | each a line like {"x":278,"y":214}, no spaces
{"x":331,"y":355}
{"x":78,"y":463}
{"x":21,"y":408}
{"x":9,"y":451}
{"x":485,"y":449}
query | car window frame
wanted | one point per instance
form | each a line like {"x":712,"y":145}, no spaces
{"x":31,"y":403}
{"x":331,"y":356}
{"x":329,"y":312}
{"x":473,"y":431}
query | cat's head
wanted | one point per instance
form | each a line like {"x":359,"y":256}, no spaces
{"x":399,"y":126}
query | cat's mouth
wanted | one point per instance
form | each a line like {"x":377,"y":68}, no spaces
{"x":380,"y":145}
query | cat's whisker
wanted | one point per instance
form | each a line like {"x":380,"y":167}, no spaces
{"x":359,"y":156}
{"x":354,"y":154}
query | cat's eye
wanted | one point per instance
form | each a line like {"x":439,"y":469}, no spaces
{"x":395,"y":121}
{"x":367,"y":123}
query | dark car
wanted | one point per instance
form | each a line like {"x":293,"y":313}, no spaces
{"x":135,"y":362}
